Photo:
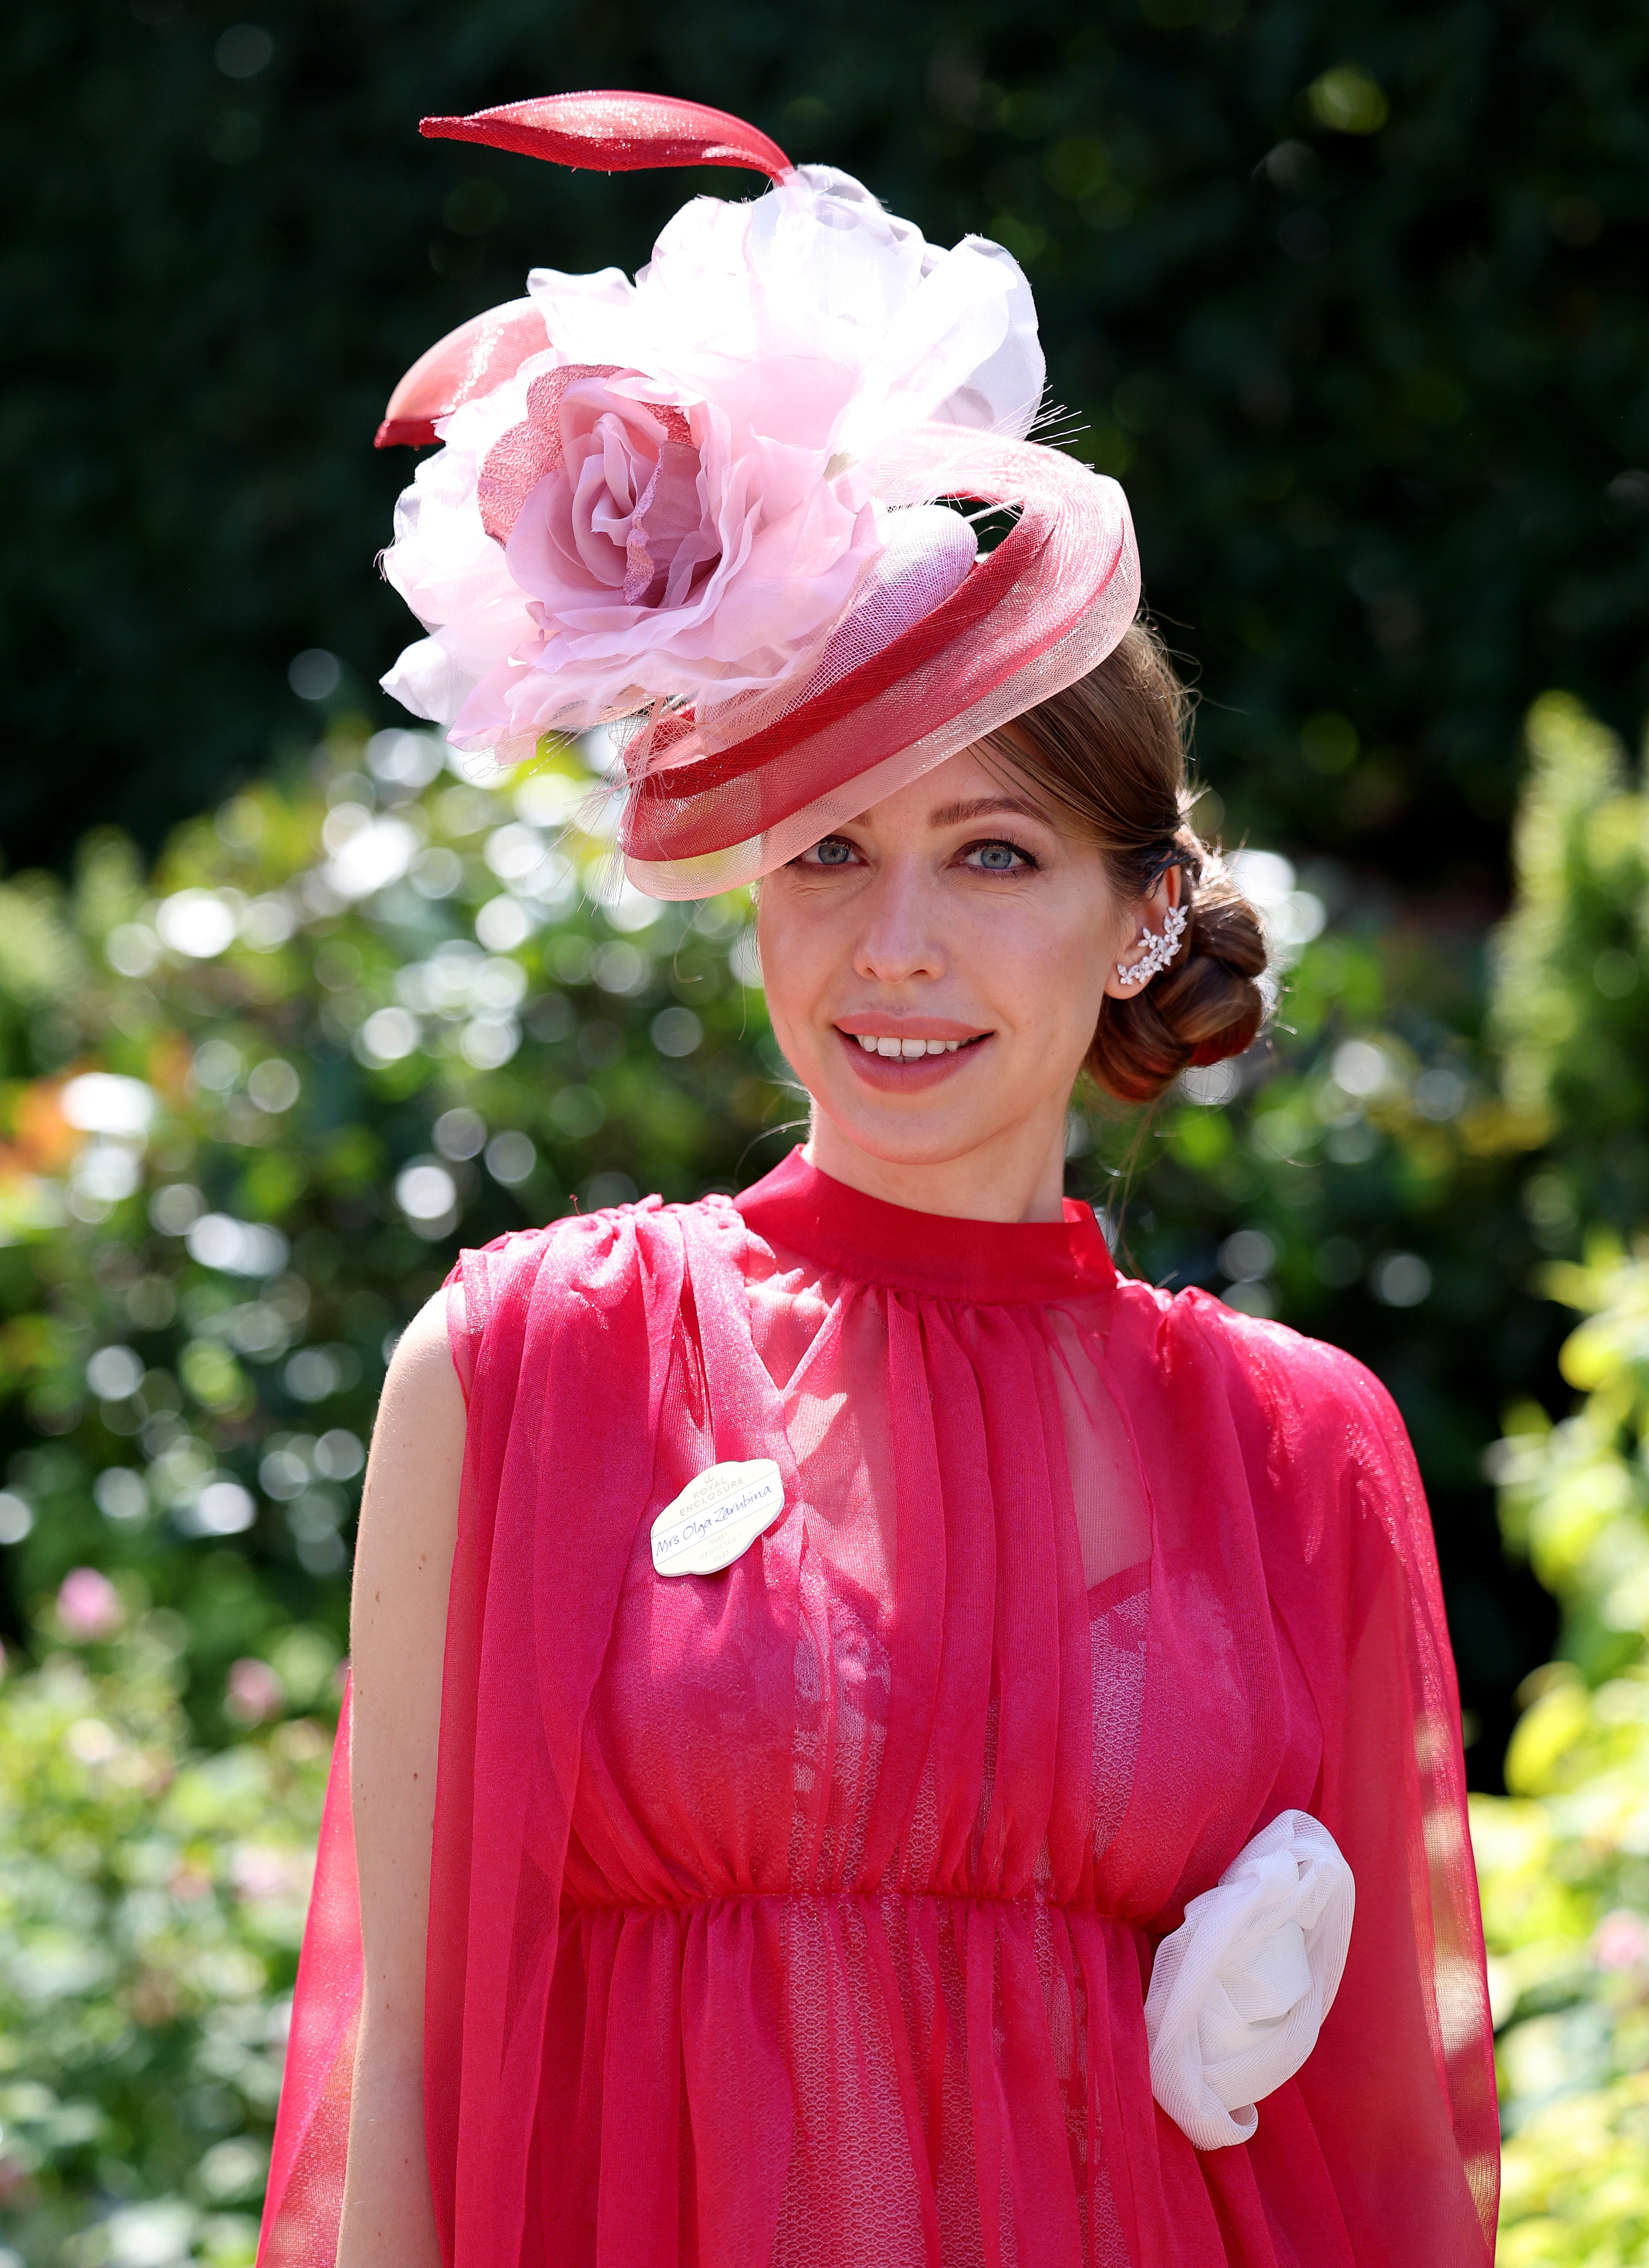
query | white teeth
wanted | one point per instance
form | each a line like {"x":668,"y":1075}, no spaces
{"x":906,"y":1050}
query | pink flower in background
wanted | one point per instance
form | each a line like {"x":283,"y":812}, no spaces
{"x":678,"y":497}
{"x":1621,"y":1940}
{"x":255,"y":1693}
{"x":259,"y":1873}
{"x":88,"y":1606}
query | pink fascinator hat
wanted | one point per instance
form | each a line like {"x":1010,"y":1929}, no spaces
{"x":717,"y":507}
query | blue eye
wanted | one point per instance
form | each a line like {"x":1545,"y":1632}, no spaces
{"x":832,"y":851}
{"x":999,"y":858}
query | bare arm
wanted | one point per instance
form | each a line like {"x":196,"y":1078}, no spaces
{"x":398,"y":1621}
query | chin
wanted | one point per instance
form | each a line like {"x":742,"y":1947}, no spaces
{"x":907,"y":1135}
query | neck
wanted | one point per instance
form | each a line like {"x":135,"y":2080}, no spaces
{"x":1019,"y":1177}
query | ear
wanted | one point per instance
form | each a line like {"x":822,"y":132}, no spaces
{"x":1145,"y":930}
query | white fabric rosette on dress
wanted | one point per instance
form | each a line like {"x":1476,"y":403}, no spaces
{"x":1240,"y":1990}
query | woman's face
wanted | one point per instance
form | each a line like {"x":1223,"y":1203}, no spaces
{"x":934,"y":971}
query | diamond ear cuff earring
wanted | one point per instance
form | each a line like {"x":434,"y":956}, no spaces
{"x":1159,"y":950}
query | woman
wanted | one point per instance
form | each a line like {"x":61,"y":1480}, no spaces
{"x":868,"y":1727}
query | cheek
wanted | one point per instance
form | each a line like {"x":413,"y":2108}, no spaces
{"x":1047,"y":964}
{"x":794,"y":958}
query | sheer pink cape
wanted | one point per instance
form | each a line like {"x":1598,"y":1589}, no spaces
{"x":802,"y":1913}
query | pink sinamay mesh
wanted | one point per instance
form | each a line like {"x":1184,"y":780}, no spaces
{"x":754,"y":782}
{"x":799,"y":1917}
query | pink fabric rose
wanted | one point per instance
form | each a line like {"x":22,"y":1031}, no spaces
{"x":620,"y":513}
{"x":657,"y":548}
{"x":672,"y":501}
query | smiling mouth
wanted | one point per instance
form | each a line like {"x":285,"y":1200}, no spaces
{"x":892,"y":1050}
{"x":891,"y":1060}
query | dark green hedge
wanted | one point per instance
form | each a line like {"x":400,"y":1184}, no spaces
{"x":1351,"y":294}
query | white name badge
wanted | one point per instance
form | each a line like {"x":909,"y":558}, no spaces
{"x":716,"y":1517}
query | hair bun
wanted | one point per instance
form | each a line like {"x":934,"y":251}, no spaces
{"x":1208,"y":1005}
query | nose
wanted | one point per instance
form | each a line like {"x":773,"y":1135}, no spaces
{"x":899,"y":940}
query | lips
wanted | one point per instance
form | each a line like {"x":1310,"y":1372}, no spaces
{"x":899,"y":1061}
{"x":884,"y":1024}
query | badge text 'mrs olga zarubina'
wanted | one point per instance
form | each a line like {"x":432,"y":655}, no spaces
{"x":716,"y":1517}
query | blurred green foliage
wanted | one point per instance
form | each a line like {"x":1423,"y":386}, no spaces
{"x":151,"y":1902}
{"x":1350,"y":295}
{"x":1571,"y":1010}
{"x":1564,"y":1859}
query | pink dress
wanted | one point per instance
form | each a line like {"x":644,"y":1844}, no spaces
{"x":801,"y":1914}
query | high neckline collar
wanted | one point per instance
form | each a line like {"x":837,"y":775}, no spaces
{"x":990,"y":1262}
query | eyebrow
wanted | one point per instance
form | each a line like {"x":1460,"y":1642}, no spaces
{"x":984,"y":806}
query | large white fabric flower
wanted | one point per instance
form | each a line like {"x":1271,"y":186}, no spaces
{"x":679,"y":496}
{"x":1240,"y":1990}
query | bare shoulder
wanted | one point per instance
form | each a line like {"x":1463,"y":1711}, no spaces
{"x":422,"y":1405}
{"x":410,"y":1506}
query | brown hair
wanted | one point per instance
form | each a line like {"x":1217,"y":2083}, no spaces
{"x":1110,"y":751}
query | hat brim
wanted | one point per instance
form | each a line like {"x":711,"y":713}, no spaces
{"x":1040,"y":611}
